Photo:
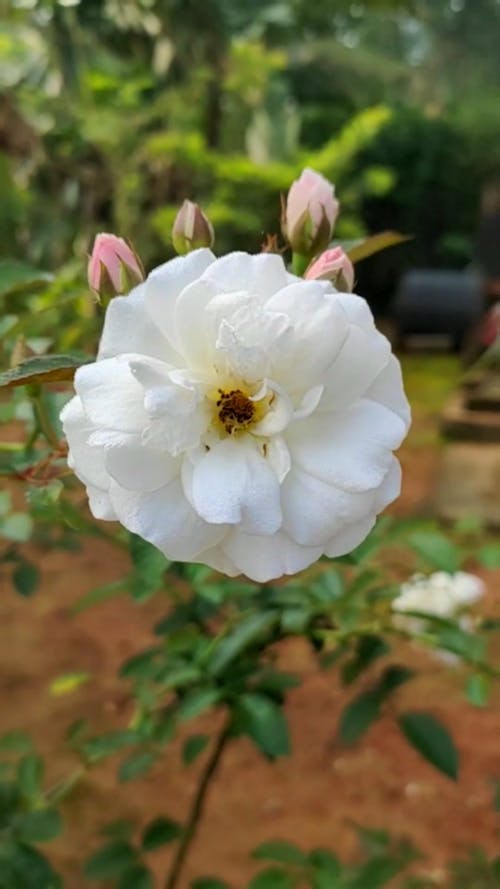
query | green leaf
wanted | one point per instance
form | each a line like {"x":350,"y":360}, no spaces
{"x":392,"y":678}
{"x":272,"y":878}
{"x":467,"y":645}
{"x":67,"y":684}
{"x":9,"y":801}
{"x":358,"y":716}
{"x":16,"y":277}
{"x":105,"y":745}
{"x":160,"y":832}
{"x":327,"y":870}
{"x":111,"y":860}
{"x":41,"y":369}
{"x":136,"y":877}
{"x":431,"y":739}
{"x":244,"y":635}
{"x":15,"y":742}
{"x":323,"y":858}
{"x":38,"y":826}
{"x":193,"y":747}
{"x":26,"y":577}
{"x":29,"y":868}
{"x":478,"y":689}
{"x":489,"y":555}
{"x":136,"y":765}
{"x":264,"y":722}
{"x":295,"y":620}
{"x":368,"y":649}
{"x":17,"y":527}
{"x":30,"y":775}
{"x":101,"y":594}
{"x":436,"y":549}
{"x":376,"y":243}
{"x":197,"y":702}
{"x":376,"y":873}
{"x":149,"y":568}
{"x":280,"y":852}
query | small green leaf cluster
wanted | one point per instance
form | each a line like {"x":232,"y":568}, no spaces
{"x":287,"y":866}
{"x":27,"y":817}
{"x":120,"y":860}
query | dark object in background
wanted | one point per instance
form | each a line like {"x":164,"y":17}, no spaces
{"x":435,"y":302}
{"x":488,"y":240}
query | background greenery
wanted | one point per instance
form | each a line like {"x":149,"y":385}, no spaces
{"x":113,"y":111}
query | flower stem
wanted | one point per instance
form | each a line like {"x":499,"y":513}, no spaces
{"x":299,"y":264}
{"x":196,"y":811}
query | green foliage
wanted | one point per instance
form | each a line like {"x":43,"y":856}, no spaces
{"x":432,"y":740}
{"x":264,"y":722}
{"x":437,"y":550}
{"x":27,"y":817}
{"x":361,"y":712}
{"x":160,"y":832}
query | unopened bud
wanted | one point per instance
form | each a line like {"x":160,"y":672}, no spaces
{"x":333,"y":265}
{"x":310,"y":213}
{"x":114,"y":268}
{"x":191,"y":229}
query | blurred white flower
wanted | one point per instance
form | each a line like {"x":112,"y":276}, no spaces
{"x":440,"y":594}
{"x":239,"y":416}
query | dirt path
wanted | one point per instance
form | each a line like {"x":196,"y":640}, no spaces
{"x":312,"y":799}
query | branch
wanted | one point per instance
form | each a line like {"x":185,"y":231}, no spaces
{"x":196,"y":812}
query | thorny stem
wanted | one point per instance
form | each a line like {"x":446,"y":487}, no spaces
{"x":196,"y":811}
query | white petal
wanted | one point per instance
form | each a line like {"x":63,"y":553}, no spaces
{"x":111,"y":396}
{"x":265,"y":558}
{"x":232,"y":483}
{"x":138,"y":468}
{"x":245,"y":335}
{"x":166,"y":519}
{"x":128,"y":328}
{"x":314,"y":511}
{"x":165,"y":283}
{"x":191,"y":333}
{"x":361,"y":358}
{"x":215,"y":558}
{"x":357,"y":310}
{"x":262,"y":274}
{"x":349,"y":537}
{"x":387,"y":389}
{"x":319,"y":327}
{"x":309,"y":402}
{"x":350,"y":449}
{"x":100,"y":504}
{"x":278,"y":456}
{"x":278,"y":415}
{"x":161,"y":394}
{"x":390,"y":488}
{"x":86,"y":461}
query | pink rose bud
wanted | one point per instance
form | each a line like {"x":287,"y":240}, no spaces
{"x":191,"y":229}
{"x":113,"y":267}
{"x":333,"y":265}
{"x":310,"y":213}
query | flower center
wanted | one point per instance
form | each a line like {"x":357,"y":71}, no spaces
{"x":236,"y":410}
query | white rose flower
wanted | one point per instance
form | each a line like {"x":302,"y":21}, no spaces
{"x":239,"y":416}
{"x":439,"y":595}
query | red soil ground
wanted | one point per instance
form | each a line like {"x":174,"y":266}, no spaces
{"x":312,"y":798}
